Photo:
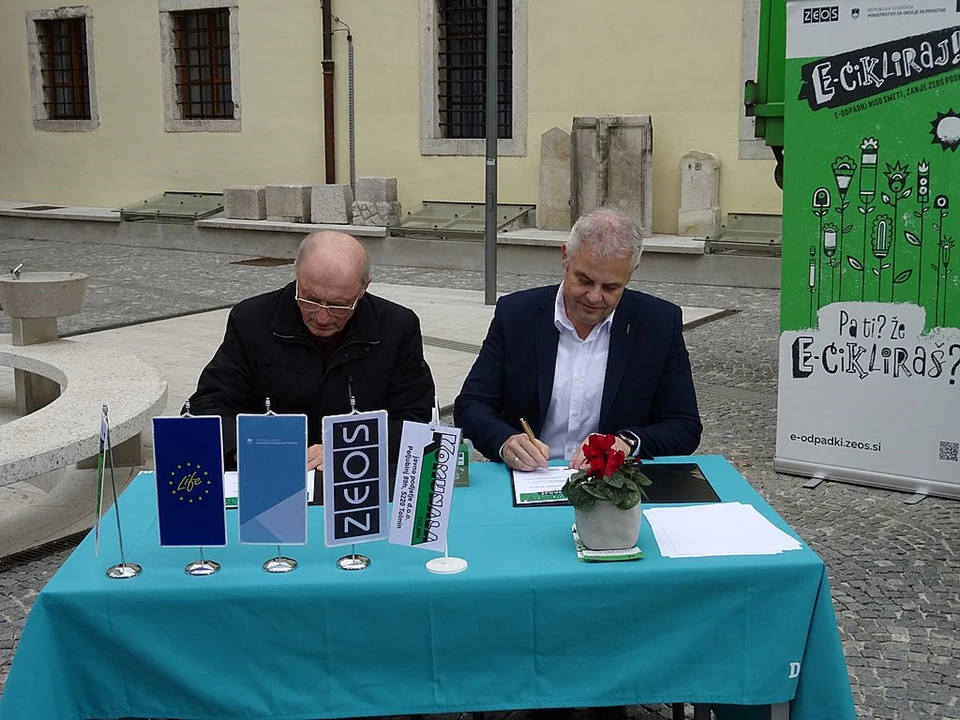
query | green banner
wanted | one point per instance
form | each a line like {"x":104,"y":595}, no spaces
{"x":870,"y":300}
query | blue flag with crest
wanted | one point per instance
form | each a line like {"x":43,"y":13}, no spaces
{"x":188,"y":454}
{"x":272,"y":479}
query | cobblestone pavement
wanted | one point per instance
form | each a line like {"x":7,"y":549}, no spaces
{"x":894,"y":568}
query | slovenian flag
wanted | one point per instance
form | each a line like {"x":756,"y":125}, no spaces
{"x":188,"y":454}
{"x":272,"y":479}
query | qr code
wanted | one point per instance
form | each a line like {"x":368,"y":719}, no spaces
{"x":949,"y":451}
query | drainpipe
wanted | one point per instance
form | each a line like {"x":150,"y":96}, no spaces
{"x":350,"y":105}
{"x":329,"y":136}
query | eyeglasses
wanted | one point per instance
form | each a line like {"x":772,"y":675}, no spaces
{"x":335,"y":310}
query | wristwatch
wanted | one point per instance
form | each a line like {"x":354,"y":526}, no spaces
{"x":631,"y":439}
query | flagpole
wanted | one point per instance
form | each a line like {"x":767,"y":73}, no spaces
{"x":116,"y":502}
{"x":124,"y":570}
{"x":100,"y":462}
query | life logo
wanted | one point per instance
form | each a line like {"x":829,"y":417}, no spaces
{"x":827,"y":13}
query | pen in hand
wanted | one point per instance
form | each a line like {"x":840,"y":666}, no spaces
{"x":528,"y":431}
{"x":526,"y":428}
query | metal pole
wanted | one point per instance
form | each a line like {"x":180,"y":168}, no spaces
{"x":490,"y":226}
{"x":329,"y":117}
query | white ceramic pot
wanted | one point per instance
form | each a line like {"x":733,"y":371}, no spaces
{"x":604,"y":526}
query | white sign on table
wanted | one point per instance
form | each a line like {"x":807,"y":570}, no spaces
{"x":424,"y":486}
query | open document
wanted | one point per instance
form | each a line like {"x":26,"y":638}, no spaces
{"x":540,"y":487}
{"x":716,"y":529}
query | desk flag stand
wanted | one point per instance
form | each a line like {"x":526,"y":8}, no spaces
{"x":122,"y":570}
{"x":445,"y":565}
{"x":280,"y":563}
{"x":353,"y":561}
{"x":202,"y":566}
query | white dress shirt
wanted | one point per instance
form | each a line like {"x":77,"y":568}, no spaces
{"x":574,"y":410}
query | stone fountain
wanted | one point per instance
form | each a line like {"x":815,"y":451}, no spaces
{"x":34,"y":301}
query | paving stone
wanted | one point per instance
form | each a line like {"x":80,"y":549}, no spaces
{"x":893,"y":568}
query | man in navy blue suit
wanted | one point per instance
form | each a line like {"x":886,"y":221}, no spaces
{"x":583,"y":357}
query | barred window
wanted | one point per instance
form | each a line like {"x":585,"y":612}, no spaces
{"x":64,"y":68}
{"x":461,"y":68}
{"x":202,"y":70}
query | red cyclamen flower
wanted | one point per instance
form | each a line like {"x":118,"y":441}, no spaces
{"x":597,"y":445}
{"x":599,"y":452}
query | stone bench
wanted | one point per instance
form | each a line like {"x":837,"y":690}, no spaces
{"x":67,"y":431}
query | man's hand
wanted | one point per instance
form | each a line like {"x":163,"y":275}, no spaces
{"x":521,"y":453}
{"x":315,"y":457}
{"x":579,"y":460}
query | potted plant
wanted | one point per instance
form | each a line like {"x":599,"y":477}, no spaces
{"x":606,"y":495}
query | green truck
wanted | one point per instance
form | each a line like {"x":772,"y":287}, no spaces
{"x":763,"y":97}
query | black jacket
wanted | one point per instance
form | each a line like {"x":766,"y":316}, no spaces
{"x":647,"y":388}
{"x":267,"y":351}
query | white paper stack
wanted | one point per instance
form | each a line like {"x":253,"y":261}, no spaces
{"x":716,"y":529}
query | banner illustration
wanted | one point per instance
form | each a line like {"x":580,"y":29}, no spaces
{"x":869,"y":385}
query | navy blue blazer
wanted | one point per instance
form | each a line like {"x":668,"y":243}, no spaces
{"x":648,"y":386}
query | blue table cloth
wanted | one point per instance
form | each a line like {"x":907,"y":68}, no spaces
{"x":527,"y":625}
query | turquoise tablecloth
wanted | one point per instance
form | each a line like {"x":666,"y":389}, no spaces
{"x":527,"y":625}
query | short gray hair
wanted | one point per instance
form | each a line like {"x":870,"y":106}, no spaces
{"x":607,"y":233}
{"x":311,"y":241}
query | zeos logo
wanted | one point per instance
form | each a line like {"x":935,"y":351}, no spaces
{"x":830,"y":13}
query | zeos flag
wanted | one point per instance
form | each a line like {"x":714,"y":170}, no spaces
{"x":188,"y":456}
{"x":272,"y":479}
{"x":355,"y":493}
{"x":426,"y":470}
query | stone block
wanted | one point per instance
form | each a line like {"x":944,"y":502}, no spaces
{"x":289,"y":202}
{"x":699,"y":214}
{"x":611,"y":165}
{"x":245,"y":202}
{"x":377,"y":214}
{"x":331,"y":204}
{"x":376,"y":189}
{"x":553,"y":204}
{"x":701,"y":224}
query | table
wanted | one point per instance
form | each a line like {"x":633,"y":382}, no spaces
{"x":527,"y":625}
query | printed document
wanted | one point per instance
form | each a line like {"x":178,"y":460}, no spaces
{"x":540,"y":487}
{"x":715,"y":530}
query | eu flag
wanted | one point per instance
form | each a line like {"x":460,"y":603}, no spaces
{"x":188,"y":454}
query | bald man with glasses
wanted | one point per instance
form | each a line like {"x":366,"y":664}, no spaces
{"x":315,"y":347}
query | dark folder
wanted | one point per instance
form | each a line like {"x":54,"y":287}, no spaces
{"x":678,"y":483}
